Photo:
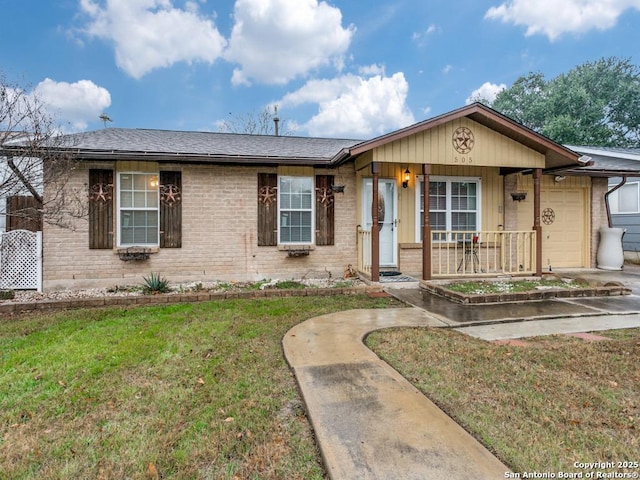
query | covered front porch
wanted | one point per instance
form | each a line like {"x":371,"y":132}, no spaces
{"x":461,"y":195}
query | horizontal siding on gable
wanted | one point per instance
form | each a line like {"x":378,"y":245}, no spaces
{"x":435,"y":146}
{"x":631,"y":239}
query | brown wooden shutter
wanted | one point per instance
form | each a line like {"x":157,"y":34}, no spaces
{"x":23,"y":213}
{"x":267,"y":209}
{"x":100,"y":208}
{"x":324,"y":210}
{"x":170,"y":210}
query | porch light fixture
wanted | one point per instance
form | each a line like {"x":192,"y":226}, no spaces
{"x":407,"y":176}
{"x":518,"y":196}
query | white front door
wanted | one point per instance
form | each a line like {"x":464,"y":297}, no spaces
{"x":387,"y":219}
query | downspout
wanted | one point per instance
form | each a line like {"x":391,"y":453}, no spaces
{"x":606,"y":200}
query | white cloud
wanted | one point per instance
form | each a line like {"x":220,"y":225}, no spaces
{"x":373,"y":69}
{"x":77,"y":103}
{"x":487,"y":91}
{"x":149,"y":34}
{"x":446,"y":69}
{"x":353,"y":106}
{"x":421,"y":37}
{"x":275,"y":41}
{"x":553,"y":18}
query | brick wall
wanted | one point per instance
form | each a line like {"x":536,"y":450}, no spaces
{"x":219,"y":237}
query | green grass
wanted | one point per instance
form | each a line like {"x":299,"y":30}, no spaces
{"x":541,"y":407}
{"x":486,"y":287}
{"x":190,"y":390}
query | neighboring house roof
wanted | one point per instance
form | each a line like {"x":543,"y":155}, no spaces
{"x":557,"y":156}
{"x":609,"y":161}
{"x":208,"y":147}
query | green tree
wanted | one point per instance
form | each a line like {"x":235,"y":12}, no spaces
{"x":595,"y":104}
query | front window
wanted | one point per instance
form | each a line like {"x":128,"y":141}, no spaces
{"x":454,"y":204}
{"x":138,"y":209}
{"x":626,"y":199}
{"x":295,"y":210}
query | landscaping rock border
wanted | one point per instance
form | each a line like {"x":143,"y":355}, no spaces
{"x":10,"y":308}
{"x":609,"y":289}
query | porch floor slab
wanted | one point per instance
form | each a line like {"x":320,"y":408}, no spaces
{"x":397,"y":279}
{"x":455,"y":313}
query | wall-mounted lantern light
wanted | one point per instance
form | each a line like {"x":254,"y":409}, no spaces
{"x":407,"y":176}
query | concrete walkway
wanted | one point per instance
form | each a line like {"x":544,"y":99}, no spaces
{"x":555,"y":326}
{"x":371,"y":423}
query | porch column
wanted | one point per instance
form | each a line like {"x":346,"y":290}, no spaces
{"x":537,"y":173}
{"x":426,"y":229}
{"x":375,"y":231}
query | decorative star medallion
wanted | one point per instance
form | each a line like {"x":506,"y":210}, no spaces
{"x":548,"y":216}
{"x":267,"y":195}
{"x":170,"y":194}
{"x":463,"y":140}
{"x":324,"y":196}
{"x":100,"y":192}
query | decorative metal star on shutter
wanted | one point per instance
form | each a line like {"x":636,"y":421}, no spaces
{"x":267,"y":195}
{"x":324,"y":196}
{"x":100,"y":192}
{"x":170,"y":194}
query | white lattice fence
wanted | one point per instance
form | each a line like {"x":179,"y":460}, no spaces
{"x":21,"y":260}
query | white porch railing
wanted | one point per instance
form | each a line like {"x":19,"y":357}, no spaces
{"x":364,"y":251}
{"x":464,"y":253}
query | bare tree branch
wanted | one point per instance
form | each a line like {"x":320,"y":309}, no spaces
{"x":256,"y":123}
{"x":35,"y":157}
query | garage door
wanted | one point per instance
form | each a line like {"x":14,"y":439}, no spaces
{"x":563,"y":221}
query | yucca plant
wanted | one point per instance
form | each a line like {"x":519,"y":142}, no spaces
{"x":154,"y":284}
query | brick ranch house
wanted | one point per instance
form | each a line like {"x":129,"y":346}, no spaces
{"x":196,"y":206}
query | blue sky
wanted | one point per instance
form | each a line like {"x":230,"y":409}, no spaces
{"x":335,"y":69}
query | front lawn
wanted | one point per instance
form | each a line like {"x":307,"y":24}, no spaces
{"x":540,"y":407}
{"x":183,"y":391}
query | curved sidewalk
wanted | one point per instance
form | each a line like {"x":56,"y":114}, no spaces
{"x":369,"y":421}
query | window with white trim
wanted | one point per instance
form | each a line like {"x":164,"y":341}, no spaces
{"x":295,"y":209}
{"x":138,"y":214}
{"x":454,"y":204}
{"x":626,"y":199}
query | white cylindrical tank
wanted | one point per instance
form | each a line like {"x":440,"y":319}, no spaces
{"x":610,"y":252}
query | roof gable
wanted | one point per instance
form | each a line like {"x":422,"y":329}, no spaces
{"x":556,"y":155}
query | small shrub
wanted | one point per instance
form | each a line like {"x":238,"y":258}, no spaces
{"x":224,"y":286}
{"x":289,"y":284}
{"x":7,"y":294}
{"x":154,"y":284}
